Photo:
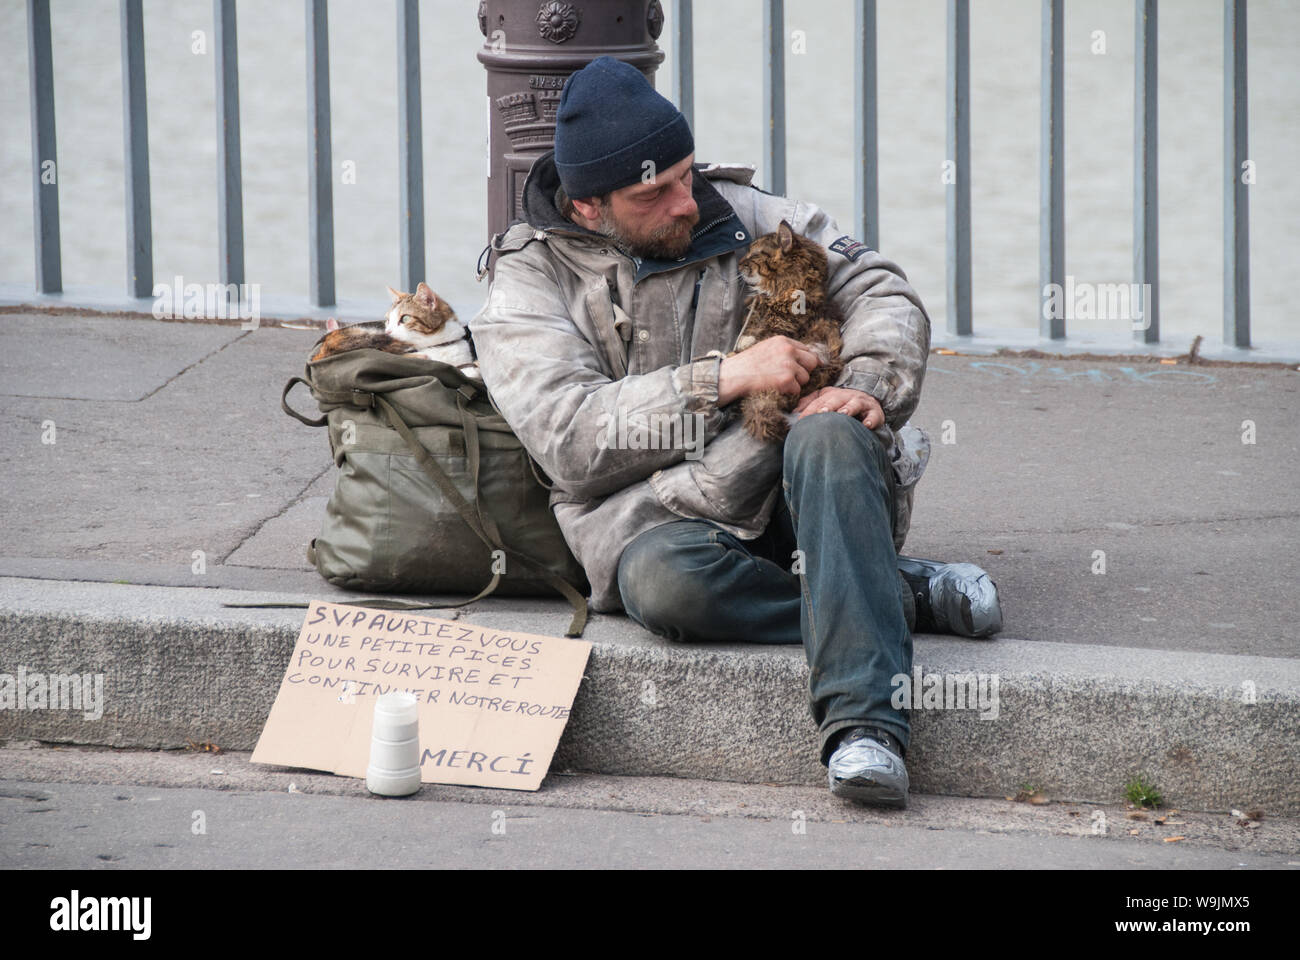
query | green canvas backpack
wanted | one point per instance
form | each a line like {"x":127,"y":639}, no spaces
{"x":435,"y":493}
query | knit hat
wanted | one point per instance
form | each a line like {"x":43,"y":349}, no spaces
{"x":609,"y":123}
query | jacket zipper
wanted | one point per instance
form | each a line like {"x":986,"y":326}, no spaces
{"x":704,"y":230}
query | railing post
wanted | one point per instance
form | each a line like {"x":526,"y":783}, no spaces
{"x":958,"y":186}
{"x":774,"y":94}
{"x":1236,"y":201}
{"x":410,"y":145}
{"x":1051,"y":201}
{"x":684,"y":60}
{"x":135,"y":133}
{"x":866,"y":183}
{"x":320,"y":182}
{"x":1146,"y":208}
{"x":45,"y":170}
{"x":230,"y":187}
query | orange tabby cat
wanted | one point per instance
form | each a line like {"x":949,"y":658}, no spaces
{"x":419,"y":323}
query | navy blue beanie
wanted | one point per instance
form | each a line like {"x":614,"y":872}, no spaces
{"x":609,"y":123}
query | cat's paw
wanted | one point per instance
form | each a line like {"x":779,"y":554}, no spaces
{"x":822,"y":351}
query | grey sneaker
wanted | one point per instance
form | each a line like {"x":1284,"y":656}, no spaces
{"x":864,"y":769}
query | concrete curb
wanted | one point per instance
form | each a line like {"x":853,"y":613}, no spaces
{"x":1074,"y":721}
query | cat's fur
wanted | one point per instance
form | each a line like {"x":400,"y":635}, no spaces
{"x":418,"y":322}
{"x":788,"y":274}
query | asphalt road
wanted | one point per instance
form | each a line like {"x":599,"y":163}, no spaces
{"x":86,"y":809}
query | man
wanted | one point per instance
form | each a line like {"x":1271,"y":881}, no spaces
{"x":616,"y":304}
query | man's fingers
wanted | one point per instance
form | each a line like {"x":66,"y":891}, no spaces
{"x":807,"y":358}
{"x":861,"y":407}
{"x":802,"y":355}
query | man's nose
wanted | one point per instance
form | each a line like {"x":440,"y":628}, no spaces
{"x":683,"y":204}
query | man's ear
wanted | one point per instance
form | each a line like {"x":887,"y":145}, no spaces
{"x":588,"y":208}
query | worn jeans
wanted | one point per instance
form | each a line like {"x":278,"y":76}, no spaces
{"x":690,"y":580}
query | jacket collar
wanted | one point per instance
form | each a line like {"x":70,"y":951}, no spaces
{"x":719,"y":231}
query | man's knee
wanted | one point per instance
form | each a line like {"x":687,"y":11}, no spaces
{"x":824,"y":439}
{"x":663,"y":578}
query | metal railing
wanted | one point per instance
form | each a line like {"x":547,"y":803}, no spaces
{"x":230,"y":204}
{"x":1052,"y":236}
{"x":139,"y":238}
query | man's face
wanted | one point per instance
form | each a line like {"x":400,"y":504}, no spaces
{"x":653,"y":220}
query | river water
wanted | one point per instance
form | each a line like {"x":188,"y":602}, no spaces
{"x":728,"y":122}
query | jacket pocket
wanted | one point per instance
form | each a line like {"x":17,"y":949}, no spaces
{"x":600,"y":311}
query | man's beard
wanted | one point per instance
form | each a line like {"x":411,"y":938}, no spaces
{"x":669,"y":242}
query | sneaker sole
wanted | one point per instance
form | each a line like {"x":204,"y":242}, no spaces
{"x":869,"y":791}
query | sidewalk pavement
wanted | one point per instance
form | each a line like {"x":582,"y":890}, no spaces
{"x":90,"y":808}
{"x":1139,"y":519}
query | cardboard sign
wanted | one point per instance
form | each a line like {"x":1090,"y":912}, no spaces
{"x":492,"y":703}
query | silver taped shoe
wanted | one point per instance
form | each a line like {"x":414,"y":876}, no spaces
{"x":963,"y":598}
{"x":869,"y":772}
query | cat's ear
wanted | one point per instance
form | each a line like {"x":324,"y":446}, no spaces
{"x":395,"y":295}
{"x":425,"y":295}
{"x":785,"y":233}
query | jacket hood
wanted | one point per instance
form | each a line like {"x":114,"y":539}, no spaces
{"x":719,"y":229}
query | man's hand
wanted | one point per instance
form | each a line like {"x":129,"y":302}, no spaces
{"x":859,"y":405}
{"x":777,"y":363}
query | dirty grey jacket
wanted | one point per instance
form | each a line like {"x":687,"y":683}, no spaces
{"x":580,"y":344}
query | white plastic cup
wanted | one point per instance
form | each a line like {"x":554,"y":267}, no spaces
{"x":394,"y":769}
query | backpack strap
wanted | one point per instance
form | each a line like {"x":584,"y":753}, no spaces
{"x":470,"y":514}
{"x":284,"y":404}
{"x":470,"y":427}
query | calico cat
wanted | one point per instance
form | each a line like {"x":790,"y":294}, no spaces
{"x":418,"y":323}
{"x":788,"y":274}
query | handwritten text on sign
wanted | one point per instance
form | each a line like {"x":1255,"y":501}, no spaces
{"x":492,"y":703}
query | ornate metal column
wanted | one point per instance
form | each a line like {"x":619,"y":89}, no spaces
{"x":530,"y":48}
